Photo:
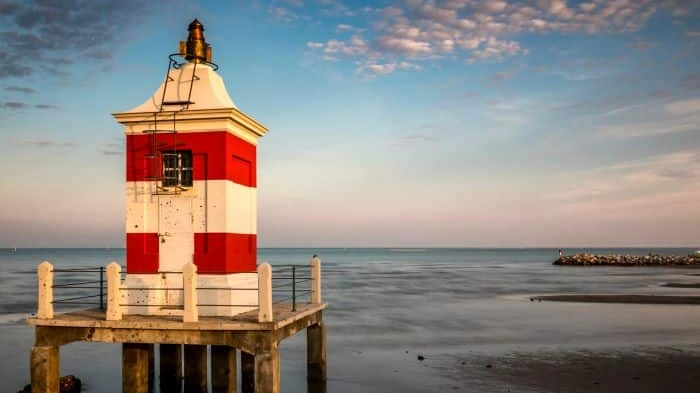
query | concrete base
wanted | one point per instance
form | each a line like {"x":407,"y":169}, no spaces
{"x":230,"y":294}
{"x":235,"y":293}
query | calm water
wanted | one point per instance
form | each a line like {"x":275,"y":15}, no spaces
{"x":386,"y":306}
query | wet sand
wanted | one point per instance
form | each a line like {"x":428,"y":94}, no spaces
{"x":636,"y":299}
{"x":681,"y":285}
{"x":643,"y":370}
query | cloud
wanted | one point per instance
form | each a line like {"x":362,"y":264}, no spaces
{"x":502,"y":76}
{"x":386,"y":68}
{"x":294,"y":3}
{"x":44,"y":143}
{"x":693,"y":34}
{"x":45,"y":106}
{"x":684,"y":107}
{"x":37,"y":33}
{"x":489,"y":30}
{"x":654,"y":127}
{"x":283,"y":14}
{"x":656,"y":175}
{"x":26,"y":90}
{"x":14,"y":105}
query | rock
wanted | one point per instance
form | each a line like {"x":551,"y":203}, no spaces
{"x":626,"y":260}
{"x":70,"y":384}
{"x":67,"y":384}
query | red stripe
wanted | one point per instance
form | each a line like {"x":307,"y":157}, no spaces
{"x":141,"y":252}
{"x":217,"y":155}
{"x":223,"y":253}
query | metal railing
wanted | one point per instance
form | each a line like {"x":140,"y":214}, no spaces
{"x":104,"y":287}
{"x":292,"y":282}
{"x":75,"y":286}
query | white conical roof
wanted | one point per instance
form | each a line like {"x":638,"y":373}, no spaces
{"x":208,"y":91}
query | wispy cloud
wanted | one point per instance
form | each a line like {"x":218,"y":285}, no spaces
{"x":45,"y":106}
{"x":13,"y":105}
{"x":684,"y":107}
{"x":44,"y":143}
{"x":386,"y":68}
{"x":654,"y":175}
{"x":26,"y":90}
{"x":654,"y":127}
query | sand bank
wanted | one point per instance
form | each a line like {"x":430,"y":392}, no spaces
{"x":636,"y":299}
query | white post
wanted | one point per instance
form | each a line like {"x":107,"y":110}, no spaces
{"x":189,"y":286}
{"x":114,"y":283}
{"x":45,"y":296}
{"x":265,"y":292}
{"x":315,"y":280}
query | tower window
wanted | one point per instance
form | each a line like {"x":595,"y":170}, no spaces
{"x":177,"y":168}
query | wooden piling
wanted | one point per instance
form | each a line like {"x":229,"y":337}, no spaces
{"x":195,"y":368}
{"x":135,"y":368}
{"x":170,"y":367}
{"x":223,"y":369}
{"x":247,"y":372}
{"x":267,"y":371}
{"x":316,"y":352}
{"x":45,"y":369}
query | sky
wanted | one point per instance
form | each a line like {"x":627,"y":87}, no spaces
{"x":411,"y":123}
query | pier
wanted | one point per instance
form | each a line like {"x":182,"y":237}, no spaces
{"x":183,"y":339}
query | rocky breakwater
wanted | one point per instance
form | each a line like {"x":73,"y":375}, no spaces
{"x":628,"y":260}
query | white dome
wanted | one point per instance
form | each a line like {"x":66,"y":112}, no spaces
{"x":208,"y":91}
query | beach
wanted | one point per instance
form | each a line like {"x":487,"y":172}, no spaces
{"x":459,"y":310}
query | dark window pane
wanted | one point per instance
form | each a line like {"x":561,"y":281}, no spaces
{"x":177,"y":168}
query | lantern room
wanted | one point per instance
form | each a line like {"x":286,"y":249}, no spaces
{"x":190,"y":190}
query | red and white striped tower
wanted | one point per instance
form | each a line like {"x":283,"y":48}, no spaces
{"x":190,"y":191}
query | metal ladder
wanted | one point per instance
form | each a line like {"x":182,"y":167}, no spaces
{"x":156,"y":156}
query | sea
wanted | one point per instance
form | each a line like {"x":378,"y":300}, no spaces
{"x":396,"y":317}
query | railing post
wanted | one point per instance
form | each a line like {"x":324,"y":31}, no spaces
{"x":114,"y":278}
{"x":315,"y":279}
{"x":294,"y":288}
{"x":189,"y":287}
{"x":265,"y":292}
{"x":45,"y":295}
{"x":102,"y":288}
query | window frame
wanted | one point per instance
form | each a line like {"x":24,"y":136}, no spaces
{"x":177,"y":169}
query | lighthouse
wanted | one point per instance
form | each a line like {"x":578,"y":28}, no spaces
{"x":190,"y":191}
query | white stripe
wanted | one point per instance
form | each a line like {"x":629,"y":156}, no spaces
{"x":222,"y":206}
{"x":141,"y":207}
{"x":218,"y":206}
